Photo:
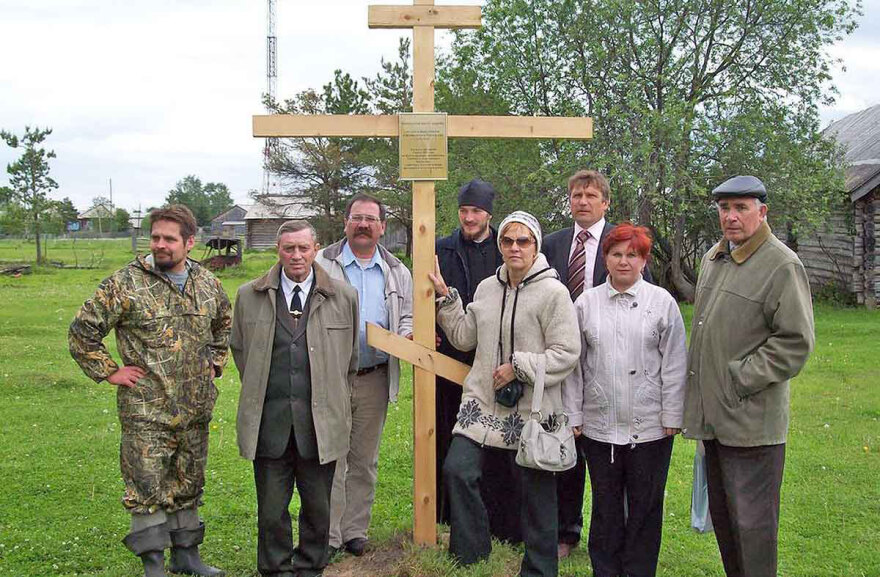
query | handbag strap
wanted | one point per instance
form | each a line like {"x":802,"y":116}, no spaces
{"x":538,"y":393}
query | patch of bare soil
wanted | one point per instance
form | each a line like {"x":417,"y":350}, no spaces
{"x":380,"y":560}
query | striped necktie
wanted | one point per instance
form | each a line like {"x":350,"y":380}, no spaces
{"x":576,"y":266}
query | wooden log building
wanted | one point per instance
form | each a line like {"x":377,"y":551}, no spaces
{"x":844,"y":254}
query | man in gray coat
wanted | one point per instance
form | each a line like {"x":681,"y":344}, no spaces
{"x":752,"y":332}
{"x":384,"y":288}
{"x":295,"y":343}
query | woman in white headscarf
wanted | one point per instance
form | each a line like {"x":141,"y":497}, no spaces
{"x":521,"y":316}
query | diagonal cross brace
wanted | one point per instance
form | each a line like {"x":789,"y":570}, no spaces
{"x":416,"y":354}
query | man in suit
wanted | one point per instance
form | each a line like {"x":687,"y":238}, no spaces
{"x":295,"y":343}
{"x":575,"y":252}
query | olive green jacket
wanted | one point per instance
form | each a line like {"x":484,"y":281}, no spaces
{"x":175,"y":337}
{"x":752,"y":332}
{"x":332,"y":336}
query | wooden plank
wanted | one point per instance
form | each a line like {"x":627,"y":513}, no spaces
{"x":326,"y":125}
{"x":381,"y":16}
{"x":418,"y":355}
{"x":520,"y":127}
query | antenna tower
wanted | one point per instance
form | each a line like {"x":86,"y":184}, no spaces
{"x":270,"y":185}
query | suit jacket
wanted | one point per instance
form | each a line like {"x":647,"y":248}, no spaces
{"x":332,"y":335}
{"x":557,"y":246}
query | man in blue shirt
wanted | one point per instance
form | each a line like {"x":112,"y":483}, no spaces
{"x":384,"y":287}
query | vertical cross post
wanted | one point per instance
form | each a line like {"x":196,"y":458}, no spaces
{"x":424,"y":382}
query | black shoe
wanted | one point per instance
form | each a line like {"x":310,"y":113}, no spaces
{"x":356,"y":546}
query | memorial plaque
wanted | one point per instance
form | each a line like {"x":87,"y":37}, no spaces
{"x":423,"y":151}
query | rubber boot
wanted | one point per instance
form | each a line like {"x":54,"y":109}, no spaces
{"x":150,"y":544}
{"x":185,"y":557}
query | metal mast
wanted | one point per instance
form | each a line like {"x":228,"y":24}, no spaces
{"x":269,"y":184}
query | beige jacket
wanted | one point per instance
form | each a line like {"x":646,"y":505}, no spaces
{"x":332,"y":338}
{"x":398,"y":297}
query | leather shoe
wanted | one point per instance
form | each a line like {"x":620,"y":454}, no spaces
{"x":356,"y":546}
{"x":563,"y":550}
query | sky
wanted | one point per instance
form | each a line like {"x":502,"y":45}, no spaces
{"x":141,"y":93}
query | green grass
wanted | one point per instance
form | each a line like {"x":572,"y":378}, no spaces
{"x":60,"y":490}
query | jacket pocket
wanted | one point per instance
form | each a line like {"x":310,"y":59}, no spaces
{"x":339,"y":342}
{"x":596,"y":406}
{"x":728,"y":390}
{"x":648,"y":404}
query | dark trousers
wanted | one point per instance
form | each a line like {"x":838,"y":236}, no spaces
{"x":627,"y":514}
{"x":570,"y":497}
{"x":275,"y":480}
{"x":744,"y":490}
{"x":469,"y":539}
{"x":501,"y":503}
{"x":447,"y":398}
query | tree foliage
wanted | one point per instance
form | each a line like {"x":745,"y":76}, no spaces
{"x":121,"y":220}
{"x":29,"y":180}
{"x":390,"y":92}
{"x":683,"y":93}
{"x":321,"y":173}
{"x":205,"y":201}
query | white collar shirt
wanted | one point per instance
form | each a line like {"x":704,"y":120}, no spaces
{"x":305,"y":286}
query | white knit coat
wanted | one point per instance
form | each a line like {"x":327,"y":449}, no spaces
{"x":545,"y":325}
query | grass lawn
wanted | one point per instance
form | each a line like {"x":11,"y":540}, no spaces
{"x":60,"y":489}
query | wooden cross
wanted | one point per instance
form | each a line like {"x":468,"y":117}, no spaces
{"x":423,"y":17}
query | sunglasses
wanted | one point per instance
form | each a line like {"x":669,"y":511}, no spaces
{"x":522,"y":242}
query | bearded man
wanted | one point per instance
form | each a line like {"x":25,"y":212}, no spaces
{"x":172,"y":322}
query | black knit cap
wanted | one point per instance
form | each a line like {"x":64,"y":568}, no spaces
{"x":741,"y":186}
{"x":478,"y":193}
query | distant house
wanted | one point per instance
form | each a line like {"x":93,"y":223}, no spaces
{"x":96,"y":219}
{"x":846,"y":255}
{"x":262,"y":219}
{"x":230,"y":222}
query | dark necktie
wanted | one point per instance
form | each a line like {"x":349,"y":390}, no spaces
{"x":576,"y":266}
{"x":296,"y":307}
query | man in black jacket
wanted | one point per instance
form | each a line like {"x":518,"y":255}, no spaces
{"x":467,"y":257}
{"x":576,"y":254}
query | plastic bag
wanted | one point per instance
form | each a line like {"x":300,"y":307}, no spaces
{"x":701,"y":520}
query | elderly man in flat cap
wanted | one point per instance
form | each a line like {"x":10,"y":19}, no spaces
{"x":752,"y":332}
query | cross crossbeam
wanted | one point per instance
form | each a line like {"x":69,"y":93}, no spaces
{"x":386,"y":126}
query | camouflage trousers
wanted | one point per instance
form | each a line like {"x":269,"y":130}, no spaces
{"x":163,"y":468}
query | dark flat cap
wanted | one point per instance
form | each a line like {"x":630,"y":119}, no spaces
{"x":741,"y":186}
{"x":477,"y":193}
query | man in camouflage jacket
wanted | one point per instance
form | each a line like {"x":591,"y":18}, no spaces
{"x":172,"y":321}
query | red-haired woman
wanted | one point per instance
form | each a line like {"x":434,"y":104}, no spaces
{"x":627,"y":398}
